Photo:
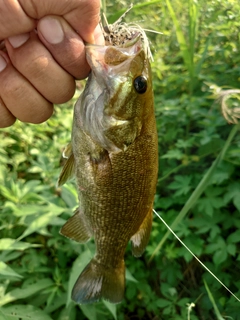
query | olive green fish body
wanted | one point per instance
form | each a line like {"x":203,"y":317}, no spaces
{"x":115,"y":161}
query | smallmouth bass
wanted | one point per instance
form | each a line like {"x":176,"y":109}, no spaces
{"x":114,"y":156}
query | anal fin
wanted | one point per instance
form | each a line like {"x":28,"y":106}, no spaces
{"x":141,"y":237}
{"x":76,"y":228}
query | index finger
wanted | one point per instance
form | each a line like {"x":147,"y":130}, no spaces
{"x":21,"y":16}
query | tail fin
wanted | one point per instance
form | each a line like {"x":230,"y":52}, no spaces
{"x":99,"y":281}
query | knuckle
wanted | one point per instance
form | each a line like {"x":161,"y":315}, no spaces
{"x":6,"y":118}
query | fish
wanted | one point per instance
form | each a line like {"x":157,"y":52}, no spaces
{"x":113,"y":155}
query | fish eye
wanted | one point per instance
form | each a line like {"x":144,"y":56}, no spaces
{"x":140,"y":84}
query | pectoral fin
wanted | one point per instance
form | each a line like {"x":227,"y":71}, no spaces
{"x":76,"y":228}
{"x":67,"y":171}
{"x":141,"y":237}
{"x":67,"y":151}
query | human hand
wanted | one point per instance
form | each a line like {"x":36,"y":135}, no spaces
{"x":39,"y":68}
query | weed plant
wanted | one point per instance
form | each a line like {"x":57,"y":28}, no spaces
{"x":198,"y":190}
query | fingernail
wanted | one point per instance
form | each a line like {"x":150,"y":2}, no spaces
{"x":3,"y":63}
{"x":98,"y":36}
{"x":17,"y":41}
{"x":51,"y":30}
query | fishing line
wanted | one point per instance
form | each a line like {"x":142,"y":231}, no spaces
{"x":203,"y":265}
{"x":153,"y":31}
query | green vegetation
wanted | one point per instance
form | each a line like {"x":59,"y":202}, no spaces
{"x":198,"y":190}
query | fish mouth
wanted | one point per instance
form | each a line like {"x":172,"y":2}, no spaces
{"x":110,"y":59}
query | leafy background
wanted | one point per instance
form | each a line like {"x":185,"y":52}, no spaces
{"x":198,"y":190}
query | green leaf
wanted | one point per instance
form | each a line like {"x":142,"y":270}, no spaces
{"x":59,"y":301}
{"x":195,"y":245}
{"x":5,"y":270}
{"x":78,"y":265}
{"x":42,"y":221}
{"x":232,"y":249}
{"x":68,"y":313}
{"x":232,"y":190}
{"x":205,"y":206}
{"x":3,"y":316}
{"x":129,"y":276}
{"x":162,"y":303}
{"x":211,"y":201}
{"x":236,"y":201}
{"x":220,"y":256}
{"x":8,"y":194}
{"x":22,"y":293}
{"x":233,"y":193}
{"x":234,"y":237}
{"x":223,"y":172}
{"x":89,"y":311}
{"x":24,"y":312}
{"x":25,"y":210}
{"x":211,"y":147}
{"x":181,"y":184}
{"x":12,"y":244}
{"x":112,"y":308}
{"x":173,"y":154}
{"x":218,"y":245}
